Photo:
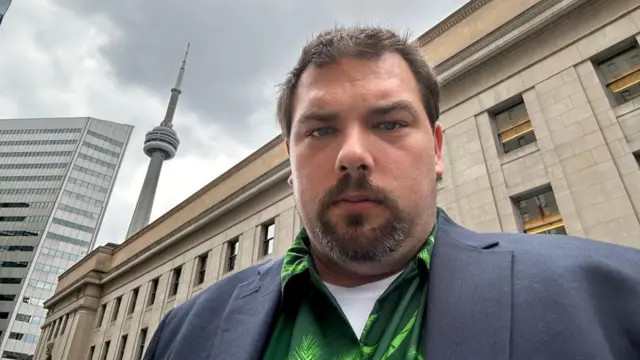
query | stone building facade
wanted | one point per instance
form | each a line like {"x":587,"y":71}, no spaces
{"x":542,"y":135}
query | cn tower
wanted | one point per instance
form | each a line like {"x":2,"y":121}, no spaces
{"x":160,"y":144}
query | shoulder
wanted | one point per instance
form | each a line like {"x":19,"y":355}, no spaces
{"x":213,"y":300}
{"x":563,"y":289}
{"x":550,"y":265}
{"x":569,"y":251}
{"x":556,"y":263}
{"x":554,"y":251}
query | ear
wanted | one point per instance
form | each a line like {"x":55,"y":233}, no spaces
{"x":438,"y":139}
{"x":286,"y":144}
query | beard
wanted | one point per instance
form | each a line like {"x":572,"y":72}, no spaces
{"x":356,"y":241}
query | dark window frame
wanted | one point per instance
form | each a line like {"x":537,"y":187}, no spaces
{"x":176,"y":274}
{"x":153,"y":291}
{"x":544,"y":201}
{"x":608,"y":57}
{"x":116,"y":308}
{"x":233,"y":248}
{"x":267,"y":241}
{"x":201,"y":269}
{"x":133,"y":300}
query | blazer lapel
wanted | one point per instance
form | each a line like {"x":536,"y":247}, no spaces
{"x":245,"y":326}
{"x":469,"y":302}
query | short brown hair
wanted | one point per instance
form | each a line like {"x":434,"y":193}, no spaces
{"x":364,"y":43}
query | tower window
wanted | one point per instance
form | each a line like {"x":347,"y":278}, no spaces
{"x":621,"y":74}
{"x":539,"y":213}
{"x":514,"y":127}
{"x":268,"y":237}
{"x":232,"y":254}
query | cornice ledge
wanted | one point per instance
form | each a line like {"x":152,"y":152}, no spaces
{"x":450,"y":21}
{"x":264,"y":181}
{"x":499,"y":42}
{"x":487,"y":40}
{"x":92,"y":277}
{"x":76,"y":305}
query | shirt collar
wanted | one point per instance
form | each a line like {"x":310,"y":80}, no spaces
{"x":298,"y":259}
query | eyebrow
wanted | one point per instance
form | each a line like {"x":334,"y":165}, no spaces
{"x":400,"y":105}
{"x":318,"y":116}
{"x":326,"y":116}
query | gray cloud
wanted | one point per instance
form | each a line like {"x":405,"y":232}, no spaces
{"x":238,"y":47}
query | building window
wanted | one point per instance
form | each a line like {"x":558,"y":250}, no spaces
{"x":101,"y":149}
{"x":50,"y":329}
{"x":10,"y":280}
{"x":73,"y":225}
{"x":540,"y":214}
{"x":41,"y":131}
{"x":30,"y":319}
{"x":105,"y":138}
{"x":268,"y":237}
{"x":13,"y":264}
{"x":134,"y":299}
{"x":5,"y":315}
{"x":105,"y":350}
{"x":7,"y":297}
{"x":175,"y":281}
{"x":232,"y":254}
{"x":201,"y":269}
{"x":116,"y":309}
{"x":621,"y":74}
{"x":637,"y":157}
{"x":23,"y":337}
{"x":141,"y":341}
{"x":153,"y":290}
{"x":92,"y":350}
{"x":64,"y":324}
{"x":13,"y":354}
{"x":57,"y":327}
{"x":123,"y":347}
{"x":103,"y":309}
{"x":514,"y":127}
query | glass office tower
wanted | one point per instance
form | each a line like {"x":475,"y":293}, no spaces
{"x":56,"y":177}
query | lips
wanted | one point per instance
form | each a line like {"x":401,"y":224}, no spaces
{"x":356,"y":198}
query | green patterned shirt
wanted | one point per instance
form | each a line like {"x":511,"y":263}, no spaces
{"x":310,"y":324}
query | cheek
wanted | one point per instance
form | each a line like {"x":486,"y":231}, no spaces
{"x":308,"y":186}
{"x":406,"y":166}
{"x":410,"y":177}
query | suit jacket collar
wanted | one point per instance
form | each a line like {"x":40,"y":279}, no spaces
{"x":470,"y":298}
{"x":468,"y":308}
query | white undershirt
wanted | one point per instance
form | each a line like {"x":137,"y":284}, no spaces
{"x":357,"y":302}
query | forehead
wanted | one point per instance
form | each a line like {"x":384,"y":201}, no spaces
{"x":352,"y":81}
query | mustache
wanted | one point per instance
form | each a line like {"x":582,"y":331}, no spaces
{"x":360,"y":183}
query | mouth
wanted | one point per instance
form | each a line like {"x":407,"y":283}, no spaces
{"x":356,"y":198}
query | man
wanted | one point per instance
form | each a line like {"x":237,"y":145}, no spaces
{"x":378,"y":272}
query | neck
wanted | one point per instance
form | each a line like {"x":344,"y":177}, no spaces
{"x":350,"y":276}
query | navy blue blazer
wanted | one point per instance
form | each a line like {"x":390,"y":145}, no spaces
{"x":491,"y":297}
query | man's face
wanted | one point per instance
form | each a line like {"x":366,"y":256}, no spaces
{"x":364,"y":160}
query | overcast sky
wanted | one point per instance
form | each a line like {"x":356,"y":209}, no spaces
{"x":117,"y":60}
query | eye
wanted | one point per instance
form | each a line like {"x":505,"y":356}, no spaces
{"x":389,"y":125}
{"x":321,"y":132}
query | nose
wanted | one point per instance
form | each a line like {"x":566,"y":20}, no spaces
{"x":354,"y":155}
